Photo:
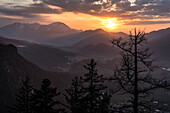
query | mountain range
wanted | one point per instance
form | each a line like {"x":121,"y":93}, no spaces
{"x":159,"y":43}
{"x":85,"y":38}
{"x":57,"y":34}
{"x":57,"y":52}
{"x":47,"y":57}
{"x":60,"y":35}
{"x":35,"y":32}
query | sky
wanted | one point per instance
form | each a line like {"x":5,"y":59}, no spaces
{"x":110,"y":15}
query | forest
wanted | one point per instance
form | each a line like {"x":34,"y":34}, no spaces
{"x":133,"y":77}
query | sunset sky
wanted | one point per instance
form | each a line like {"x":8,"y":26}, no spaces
{"x":110,"y":15}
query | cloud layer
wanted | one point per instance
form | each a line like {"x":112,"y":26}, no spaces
{"x":139,"y":9}
{"x":121,"y":9}
{"x":30,"y":11}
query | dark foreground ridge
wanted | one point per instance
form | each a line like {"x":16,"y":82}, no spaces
{"x":14,"y":68}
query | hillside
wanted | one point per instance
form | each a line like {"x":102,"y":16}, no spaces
{"x":85,"y":38}
{"x":35,"y":32}
{"x":100,"y":50}
{"x":46,"y":57}
{"x":100,"y":37}
{"x":14,"y":68}
{"x":157,"y":35}
{"x":159,"y":43}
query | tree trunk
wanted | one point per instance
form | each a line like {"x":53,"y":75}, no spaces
{"x":136,"y":79}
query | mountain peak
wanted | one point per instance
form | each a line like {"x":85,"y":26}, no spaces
{"x":36,"y":32}
{"x":35,"y":23}
{"x":55,"y":23}
{"x":18,"y":23}
{"x":96,"y":30}
{"x":99,"y":30}
{"x":58,"y":23}
{"x":160,"y":30}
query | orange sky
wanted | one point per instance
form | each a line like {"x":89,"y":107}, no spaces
{"x":82,"y":21}
{"x":46,"y":13}
{"x":86,"y":22}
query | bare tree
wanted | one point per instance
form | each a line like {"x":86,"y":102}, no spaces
{"x":134,"y":74}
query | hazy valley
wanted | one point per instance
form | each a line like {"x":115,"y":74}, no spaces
{"x":57,"y":52}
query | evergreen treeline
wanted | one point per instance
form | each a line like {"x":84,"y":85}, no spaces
{"x":89,"y":94}
{"x":23,"y":98}
{"x":30,"y":100}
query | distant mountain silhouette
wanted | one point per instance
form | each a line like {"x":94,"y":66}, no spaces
{"x":104,"y":38}
{"x":160,"y":43}
{"x":46,"y":57}
{"x":156,"y":35}
{"x":85,"y":38}
{"x":35,"y":32}
{"x":90,"y":43}
{"x":14,"y":68}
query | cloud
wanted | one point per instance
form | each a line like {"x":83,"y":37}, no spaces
{"x":30,"y":11}
{"x":144,"y":9}
{"x":147,"y":22}
{"x":122,"y":9}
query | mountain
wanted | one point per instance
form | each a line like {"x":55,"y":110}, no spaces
{"x":46,"y":57}
{"x":105,"y":67}
{"x":14,"y":68}
{"x":160,"y":43}
{"x":85,"y":38}
{"x":35,"y":32}
{"x":156,"y":35}
{"x":100,"y":37}
{"x":99,"y":50}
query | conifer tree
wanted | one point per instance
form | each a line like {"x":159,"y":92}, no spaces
{"x":93,"y":88}
{"x":74,"y":97}
{"x":104,"y":103}
{"x":23,"y":98}
{"x":44,"y":100}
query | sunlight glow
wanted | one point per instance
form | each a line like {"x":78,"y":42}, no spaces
{"x":110,"y":24}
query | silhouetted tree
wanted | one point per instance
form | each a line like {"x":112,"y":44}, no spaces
{"x":134,"y":73}
{"x":104,"y":103}
{"x":93,"y":88}
{"x":44,"y":100}
{"x":23,"y":98}
{"x":74,"y":97}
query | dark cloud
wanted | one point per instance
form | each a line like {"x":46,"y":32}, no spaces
{"x":122,"y":8}
{"x":6,"y":21}
{"x":156,"y":8}
{"x":30,"y":11}
{"x":147,"y":22}
{"x":83,"y":6}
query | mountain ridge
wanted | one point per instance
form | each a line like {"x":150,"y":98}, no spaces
{"x":14,"y":68}
{"x":46,"y":57}
{"x":35,"y":32}
{"x":74,"y":39}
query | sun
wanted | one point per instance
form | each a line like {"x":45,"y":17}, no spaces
{"x":110,"y":24}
